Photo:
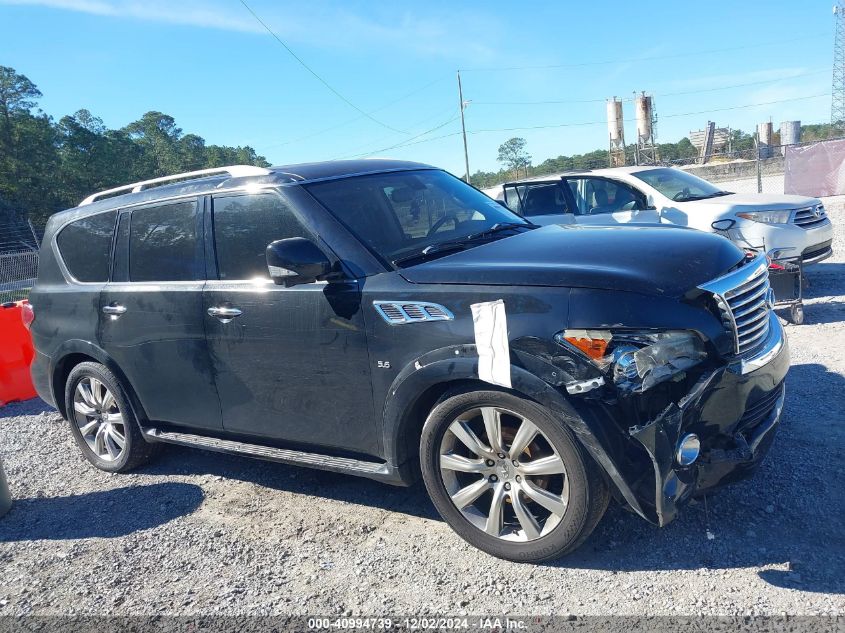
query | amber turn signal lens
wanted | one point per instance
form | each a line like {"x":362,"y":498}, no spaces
{"x":592,"y":347}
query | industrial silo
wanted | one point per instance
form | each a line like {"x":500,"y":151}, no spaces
{"x":642,"y":105}
{"x":614,"y":120}
{"x":616,"y":132}
{"x":765,"y":137}
{"x":790,"y":134}
{"x":646,"y":153}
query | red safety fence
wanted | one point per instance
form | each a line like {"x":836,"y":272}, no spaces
{"x":15,"y":354}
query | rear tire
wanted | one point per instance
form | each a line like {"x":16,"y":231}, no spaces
{"x":102,"y":421}
{"x":529,"y":495}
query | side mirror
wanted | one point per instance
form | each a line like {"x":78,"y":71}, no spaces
{"x":295,"y":261}
{"x":723,"y":225}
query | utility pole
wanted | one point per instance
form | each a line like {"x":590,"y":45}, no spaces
{"x":463,"y":124}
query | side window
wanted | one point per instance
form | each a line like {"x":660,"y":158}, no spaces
{"x":513,"y":195}
{"x":163,"y":243}
{"x":598,"y":195}
{"x":85,"y":246}
{"x":543,"y":199}
{"x":243,"y":227}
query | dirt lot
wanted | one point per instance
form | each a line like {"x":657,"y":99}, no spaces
{"x":201,"y":533}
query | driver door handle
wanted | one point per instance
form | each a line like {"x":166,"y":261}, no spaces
{"x":225,"y":314}
{"x":114,"y":309}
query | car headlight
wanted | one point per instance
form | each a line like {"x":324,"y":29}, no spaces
{"x":635,"y":360}
{"x":766,"y":217}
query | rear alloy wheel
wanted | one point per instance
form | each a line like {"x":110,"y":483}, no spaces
{"x":102,"y":421}
{"x":508,"y":477}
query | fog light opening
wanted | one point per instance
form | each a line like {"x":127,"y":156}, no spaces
{"x":688,"y":449}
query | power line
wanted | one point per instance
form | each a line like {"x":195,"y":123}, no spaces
{"x":318,"y":77}
{"x":407,"y":142}
{"x":350,"y":121}
{"x":664,"y":94}
{"x":750,"y":105}
{"x":384,"y":139}
{"x":665,"y":116}
{"x":780,"y":42}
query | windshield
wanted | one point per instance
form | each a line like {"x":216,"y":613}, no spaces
{"x":679,"y":185}
{"x":401,"y":215}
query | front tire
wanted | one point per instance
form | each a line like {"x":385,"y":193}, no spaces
{"x":509,"y":477}
{"x":101,"y":420}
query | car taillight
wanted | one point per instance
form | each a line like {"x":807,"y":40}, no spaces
{"x":27,"y":314}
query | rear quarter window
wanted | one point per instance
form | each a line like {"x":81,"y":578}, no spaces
{"x":85,"y":246}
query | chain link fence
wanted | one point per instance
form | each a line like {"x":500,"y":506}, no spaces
{"x":19,"y":242}
{"x":17,"y":275}
{"x":753,"y":170}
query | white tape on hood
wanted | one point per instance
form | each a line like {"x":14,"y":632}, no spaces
{"x":491,"y":339}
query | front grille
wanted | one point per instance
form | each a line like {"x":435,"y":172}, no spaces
{"x":743,"y":298}
{"x":750,"y":311}
{"x":810,"y":217}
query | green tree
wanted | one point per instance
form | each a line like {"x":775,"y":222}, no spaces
{"x":27,"y":147}
{"x":158,"y":135}
{"x":513,"y":154}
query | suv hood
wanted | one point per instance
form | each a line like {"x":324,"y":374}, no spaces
{"x":756,"y":202}
{"x":648,"y":259}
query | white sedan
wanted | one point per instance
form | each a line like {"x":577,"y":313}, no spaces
{"x":783,"y":226}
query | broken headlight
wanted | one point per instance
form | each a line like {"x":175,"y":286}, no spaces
{"x":635,"y":360}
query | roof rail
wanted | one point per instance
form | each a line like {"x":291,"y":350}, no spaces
{"x":234,"y":171}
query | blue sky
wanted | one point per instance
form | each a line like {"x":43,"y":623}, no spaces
{"x":215,"y":68}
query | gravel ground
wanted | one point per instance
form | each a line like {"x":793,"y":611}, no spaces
{"x":202,"y":533}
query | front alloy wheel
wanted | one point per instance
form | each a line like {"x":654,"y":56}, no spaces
{"x":508,"y":476}
{"x":513,"y":483}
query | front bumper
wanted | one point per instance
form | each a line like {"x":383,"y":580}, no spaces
{"x":789,"y":240}
{"x":734,"y":410}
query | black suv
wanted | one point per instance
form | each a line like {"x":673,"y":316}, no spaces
{"x":385,"y":319}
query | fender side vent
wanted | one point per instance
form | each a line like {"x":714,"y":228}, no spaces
{"x":411,"y":312}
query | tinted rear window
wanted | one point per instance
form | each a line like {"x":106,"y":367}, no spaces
{"x":85,"y":246}
{"x":163,"y":243}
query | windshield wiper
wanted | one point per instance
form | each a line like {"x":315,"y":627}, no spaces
{"x":499,"y":226}
{"x":716,"y":194}
{"x":430,"y":251}
{"x":444,"y":248}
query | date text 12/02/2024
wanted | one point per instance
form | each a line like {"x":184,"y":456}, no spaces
{"x":421,"y":623}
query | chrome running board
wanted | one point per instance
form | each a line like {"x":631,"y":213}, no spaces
{"x":371,"y":470}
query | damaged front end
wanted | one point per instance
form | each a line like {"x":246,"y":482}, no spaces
{"x":667,"y":417}
{"x":715,"y":434}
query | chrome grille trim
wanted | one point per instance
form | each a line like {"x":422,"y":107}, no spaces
{"x":810,"y":217}
{"x":742,"y":297}
{"x":399,"y":312}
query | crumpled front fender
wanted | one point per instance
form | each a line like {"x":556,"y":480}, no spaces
{"x":532,"y":376}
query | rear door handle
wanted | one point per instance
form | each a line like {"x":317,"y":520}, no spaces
{"x":114,"y":309}
{"x":224,"y":314}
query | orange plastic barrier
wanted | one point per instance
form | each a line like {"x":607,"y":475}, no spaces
{"x":15,"y":356}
